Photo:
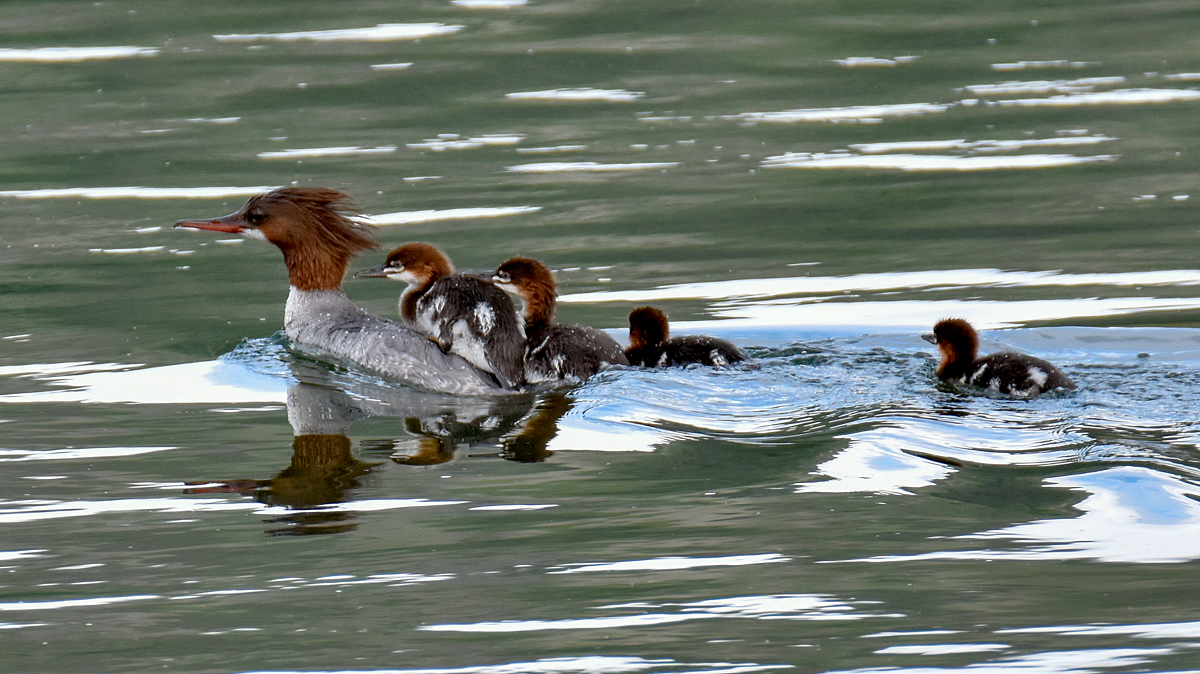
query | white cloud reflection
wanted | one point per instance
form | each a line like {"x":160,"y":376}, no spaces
{"x":1131,"y":515}
{"x":1084,"y":661}
{"x":384,"y":32}
{"x":75,"y":453}
{"x":137,"y":192}
{"x":589,"y":167}
{"x":1118,"y":97}
{"x":313,"y":152}
{"x":859,"y":113}
{"x":758,"y":607}
{"x":917,"y":162}
{"x":586,"y":94}
{"x":875,"y":463}
{"x":1083,"y":84}
{"x":488,"y":4}
{"x":845,"y":300}
{"x":213,"y":381}
{"x":73,"y":54}
{"x":416,"y":217}
{"x":13,"y":512}
{"x":587,"y":664}
{"x":674,"y":563}
{"x":891,"y":457}
{"x":954,"y":278}
{"x":71,"y":603}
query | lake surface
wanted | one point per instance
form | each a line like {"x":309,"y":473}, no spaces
{"x":818,"y":182}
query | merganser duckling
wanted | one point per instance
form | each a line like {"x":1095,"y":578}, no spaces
{"x":313,"y":228}
{"x":1005,"y":372}
{"x":553,"y":352}
{"x":463,"y":314}
{"x":650,"y":344}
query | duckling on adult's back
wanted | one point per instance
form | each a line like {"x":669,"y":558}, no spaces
{"x":1006,"y":372}
{"x":554,"y":352}
{"x":313,"y":228}
{"x":650,"y":344}
{"x":463,"y":314}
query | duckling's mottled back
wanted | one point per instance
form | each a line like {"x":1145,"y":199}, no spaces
{"x":650,"y":344}
{"x":1005,"y":372}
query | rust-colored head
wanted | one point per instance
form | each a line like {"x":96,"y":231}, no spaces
{"x":413,"y":263}
{"x":957,"y":342}
{"x":533,"y":282}
{"x":647,"y":327}
{"x":313,"y":226}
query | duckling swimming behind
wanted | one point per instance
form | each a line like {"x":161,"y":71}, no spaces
{"x":554,"y":352}
{"x":650,"y":344}
{"x":1006,"y":372}
{"x":463,"y":314}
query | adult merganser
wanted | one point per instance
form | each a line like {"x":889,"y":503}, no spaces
{"x":313,"y":228}
{"x":463,"y":314}
{"x":650,"y":344}
{"x":1005,"y":372}
{"x":553,"y":352}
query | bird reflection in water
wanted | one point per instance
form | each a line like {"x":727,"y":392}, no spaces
{"x":530,"y":444}
{"x":523,"y":438}
{"x":325,"y":471}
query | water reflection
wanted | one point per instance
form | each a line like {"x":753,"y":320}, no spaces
{"x":315,"y":492}
{"x":384,"y":32}
{"x":138,"y":192}
{"x":1049,"y":662}
{"x":903,"y":454}
{"x":801,"y":607}
{"x":912,"y":162}
{"x":1119,"y":97}
{"x":1082,"y":84}
{"x":588,"y":664}
{"x":324,"y":470}
{"x":215,"y":381}
{"x":74,"y":54}
{"x":1131,"y":515}
{"x":577,"y":94}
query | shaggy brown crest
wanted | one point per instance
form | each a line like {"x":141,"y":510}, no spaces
{"x":312,"y":226}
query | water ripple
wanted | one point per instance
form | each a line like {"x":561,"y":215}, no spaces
{"x":1131,"y":515}
{"x":586,"y":664}
{"x":673,"y":563}
{"x":73,"y":54}
{"x":384,"y":32}
{"x":759,"y":607}
{"x":1049,"y":662}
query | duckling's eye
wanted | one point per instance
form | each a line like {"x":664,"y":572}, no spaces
{"x":503,"y":277}
{"x":256,"y":217}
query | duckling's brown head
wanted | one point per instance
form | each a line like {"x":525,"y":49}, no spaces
{"x":956,"y":340}
{"x":413,"y":263}
{"x":533,"y":282}
{"x":647,"y":327}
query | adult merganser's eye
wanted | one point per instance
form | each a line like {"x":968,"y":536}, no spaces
{"x":256,"y":217}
